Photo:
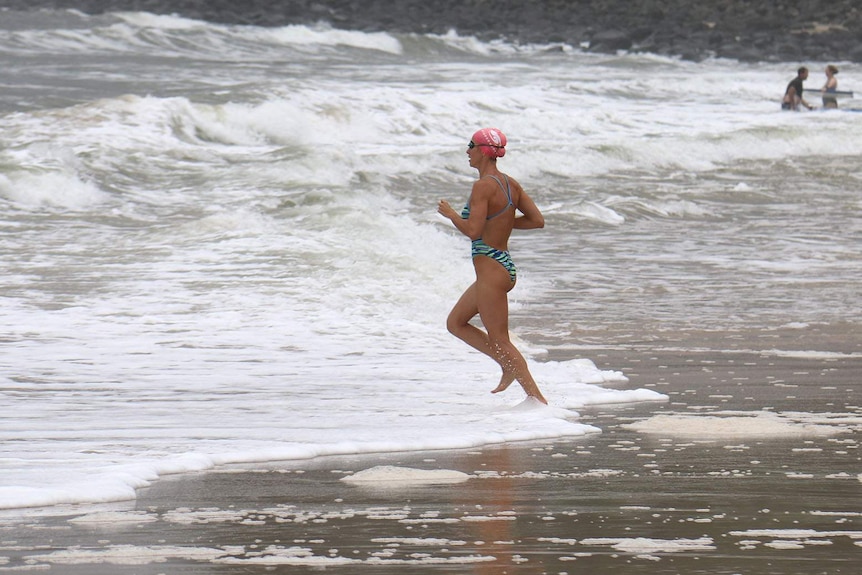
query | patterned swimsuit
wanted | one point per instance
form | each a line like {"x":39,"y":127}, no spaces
{"x":480,"y":248}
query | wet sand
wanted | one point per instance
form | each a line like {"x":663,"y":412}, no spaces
{"x":674,"y":500}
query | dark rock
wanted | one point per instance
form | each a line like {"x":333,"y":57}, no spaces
{"x":788,"y":51}
{"x":740,"y":51}
{"x":750,"y":30}
{"x":610,"y":41}
{"x":640,"y":34}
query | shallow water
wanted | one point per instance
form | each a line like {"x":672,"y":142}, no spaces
{"x":221,"y":245}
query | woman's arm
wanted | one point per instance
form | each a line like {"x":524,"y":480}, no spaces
{"x":532,"y":218}
{"x":475,"y":224}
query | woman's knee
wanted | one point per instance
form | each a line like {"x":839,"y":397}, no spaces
{"x":454,"y":325}
{"x":451,"y":327}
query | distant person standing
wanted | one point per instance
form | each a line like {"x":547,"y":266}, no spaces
{"x":831,"y":85}
{"x":793,"y":94}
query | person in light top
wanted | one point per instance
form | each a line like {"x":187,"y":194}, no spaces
{"x":831,"y":85}
{"x":488,"y":218}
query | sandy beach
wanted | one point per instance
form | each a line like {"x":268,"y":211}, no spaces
{"x":752,"y":467}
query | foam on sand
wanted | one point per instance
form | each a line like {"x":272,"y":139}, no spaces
{"x":270,"y":555}
{"x":759,"y":424}
{"x":646,"y":545}
{"x":390,"y":475}
{"x":115,"y":518}
{"x":788,"y":539}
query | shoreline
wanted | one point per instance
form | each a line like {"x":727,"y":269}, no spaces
{"x":623,"y":499}
{"x":796,"y":31}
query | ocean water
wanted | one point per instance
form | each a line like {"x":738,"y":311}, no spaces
{"x":220,"y":243}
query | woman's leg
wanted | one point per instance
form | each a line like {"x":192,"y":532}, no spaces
{"x":458,"y":324}
{"x":491,"y":296}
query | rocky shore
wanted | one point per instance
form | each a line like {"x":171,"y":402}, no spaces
{"x":795,"y":31}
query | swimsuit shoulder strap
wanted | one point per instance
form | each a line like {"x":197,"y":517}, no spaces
{"x":507,"y":190}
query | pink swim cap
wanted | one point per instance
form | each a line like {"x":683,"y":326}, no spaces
{"x":491,"y":141}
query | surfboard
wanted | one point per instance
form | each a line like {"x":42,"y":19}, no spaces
{"x":838,"y":94}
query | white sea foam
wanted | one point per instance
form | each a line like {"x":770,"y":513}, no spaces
{"x":797,"y":533}
{"x":162,"y":21}
{"x":60,"y":189}
{"x":114,"y":518}
{"x":325,"y":35}
{"x":739,"y":424}
{"x":360,"y":421}
{"x":391,"y":475}
{"x":236,"y":555}
{"x":647,"y":545}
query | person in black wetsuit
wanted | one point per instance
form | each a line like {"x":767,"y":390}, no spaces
{"x":793,"y":94}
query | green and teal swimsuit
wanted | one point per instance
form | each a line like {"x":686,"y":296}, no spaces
{"x":480,"y":248}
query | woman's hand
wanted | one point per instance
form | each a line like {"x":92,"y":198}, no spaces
{"x":446,"y":210}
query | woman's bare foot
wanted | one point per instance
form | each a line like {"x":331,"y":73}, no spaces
{"x":505,"y":381}
{"x":537,"y":395}
{"x":532,"y":390}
